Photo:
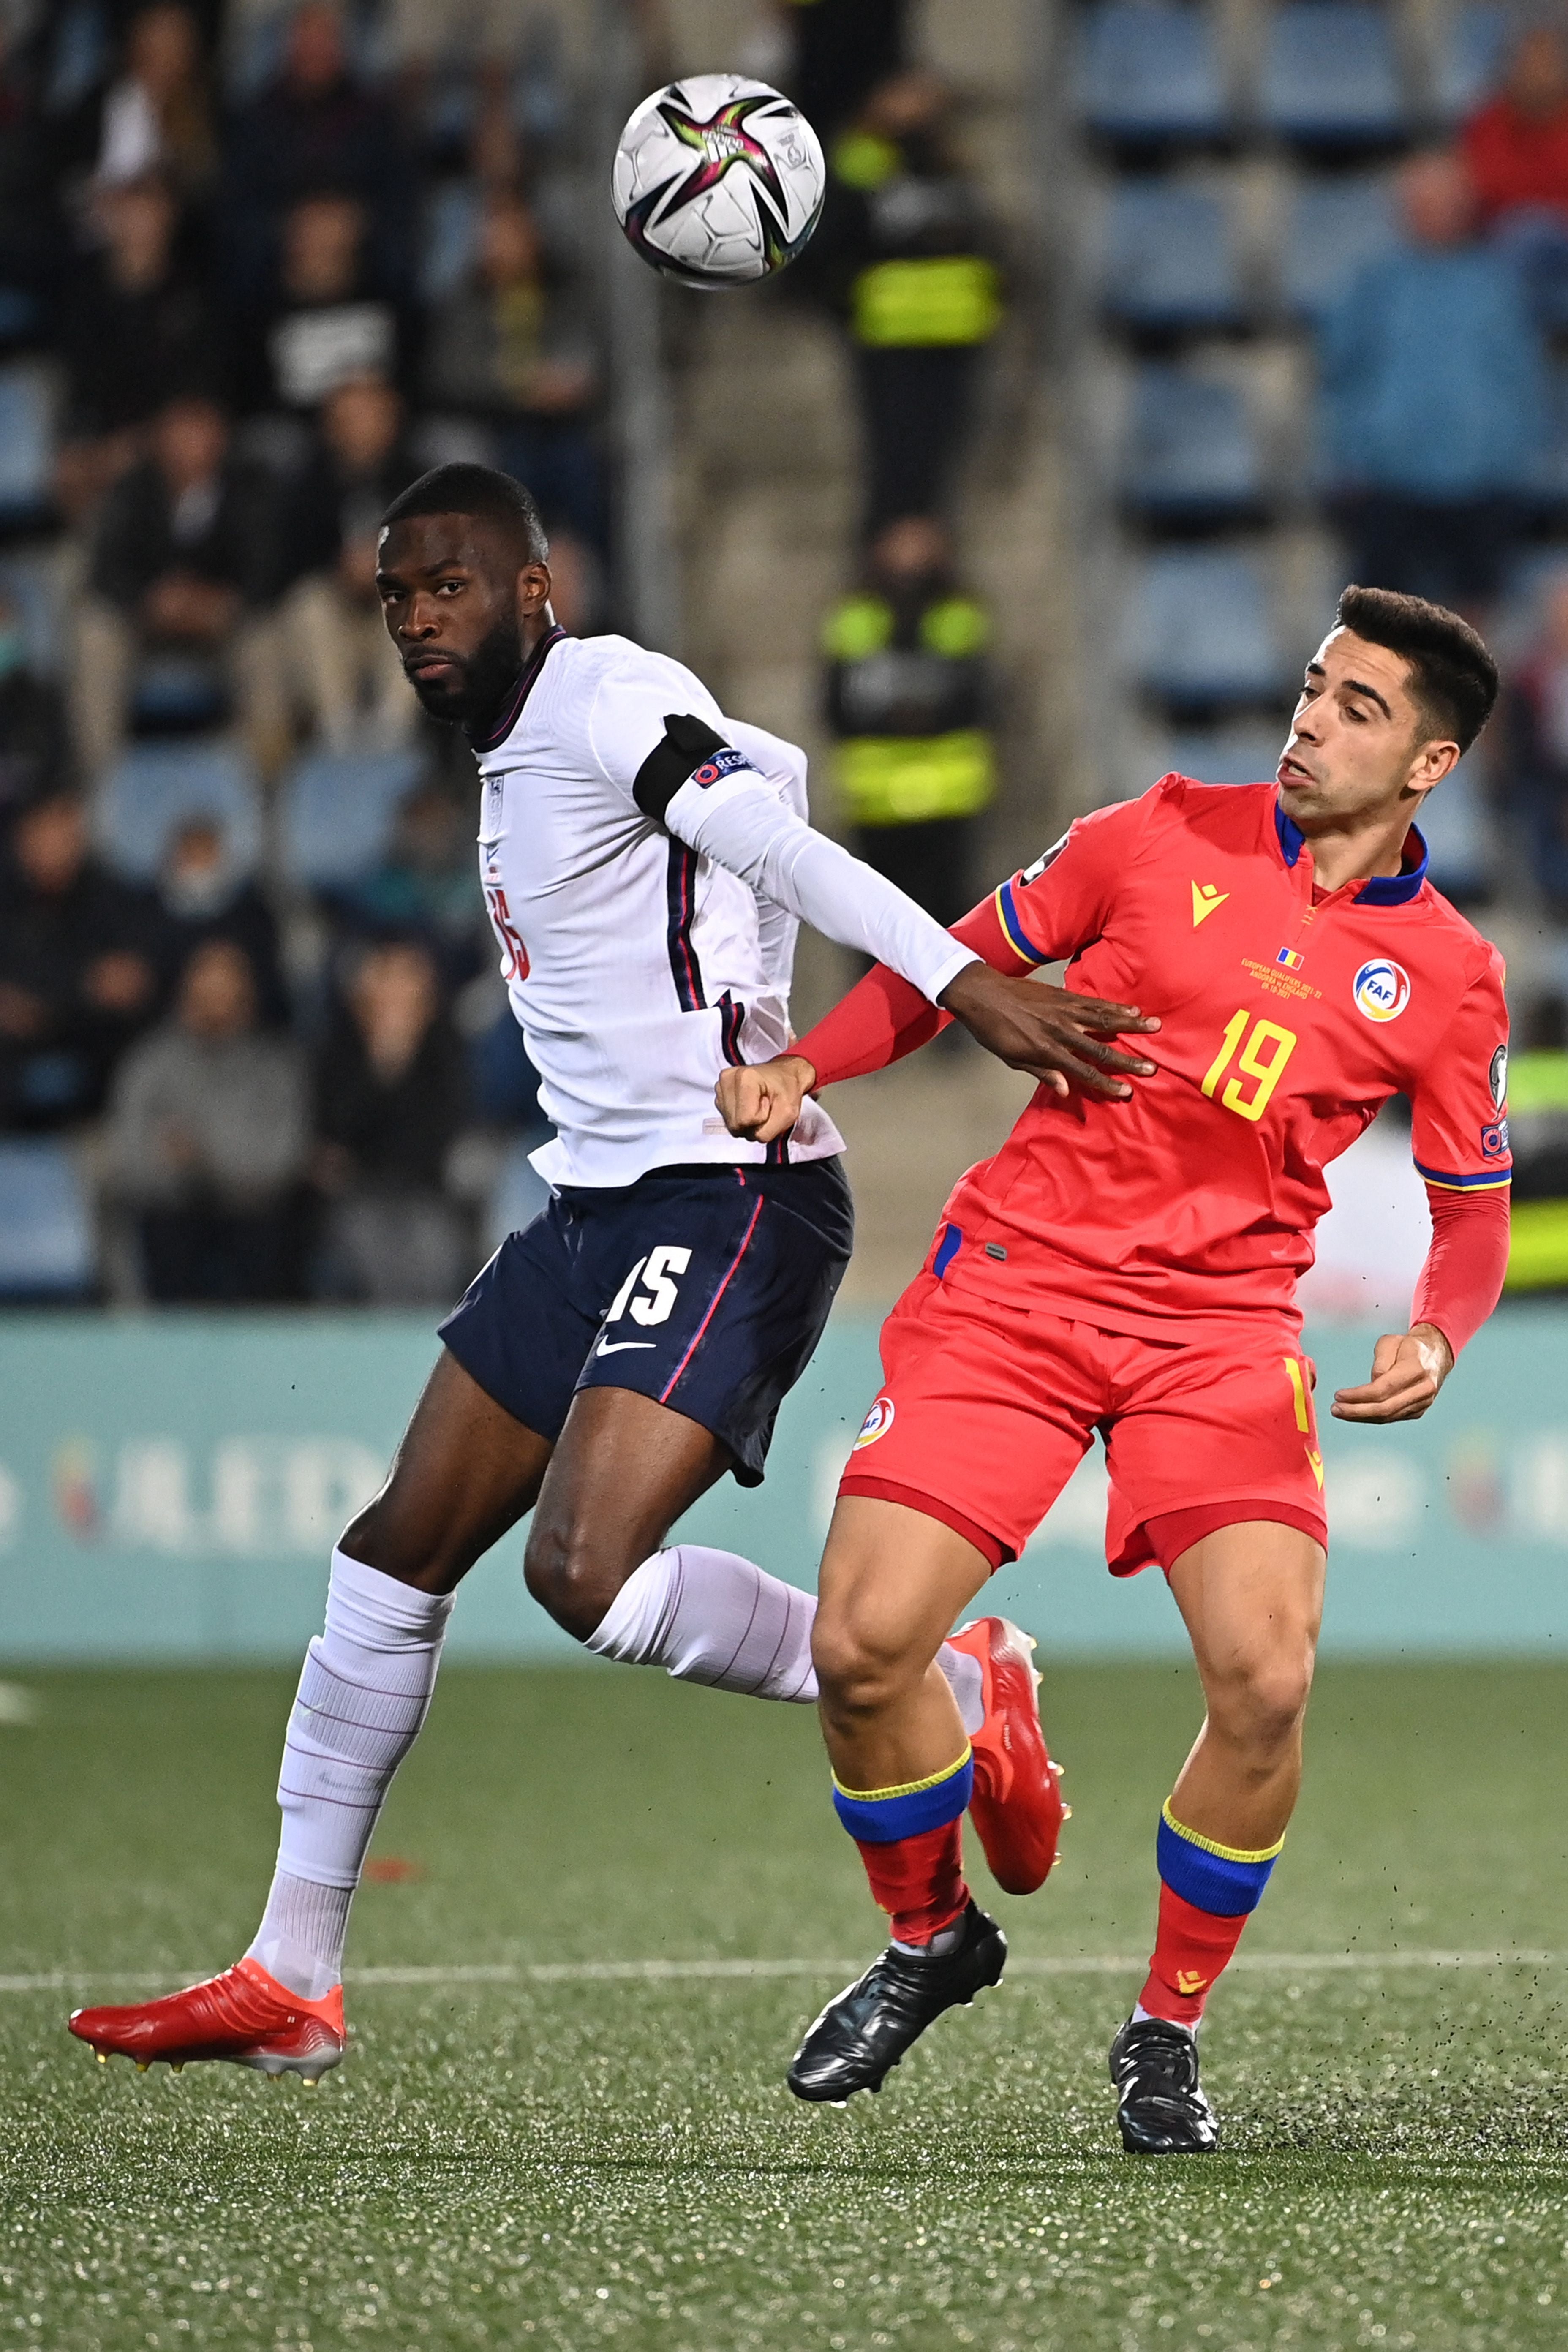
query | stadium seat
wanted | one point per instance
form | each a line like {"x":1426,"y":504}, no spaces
{"x":1192,"y":453}
{"x":1470,"y":49}
{"x":1149,"y":73}
{"x":1199,"y":631}
{"x":451,"y":237}
{"x":1333,"y":228}
{"x":337,"y":809}
{"x":33,"y":583}
{"x":1169,"y":262}
{"x":27,"y":446}
{"x":519,"y":1194}
{"x":178,"y":694}
{"x":1332,"y":76}
{"x":1227,"y":756}
{"x":1458,"y":834}
{"x":46,"y":1229}
{"x":156,"y":786}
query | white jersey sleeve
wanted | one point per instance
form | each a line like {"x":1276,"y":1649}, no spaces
{"x":687,"y":771}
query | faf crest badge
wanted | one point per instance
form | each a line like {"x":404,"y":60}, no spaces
{"x":1382,"y":989}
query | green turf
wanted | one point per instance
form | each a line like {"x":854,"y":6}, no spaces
{"x":577,"y":2164}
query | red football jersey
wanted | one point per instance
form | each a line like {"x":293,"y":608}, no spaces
{"x":1288,"y":1017}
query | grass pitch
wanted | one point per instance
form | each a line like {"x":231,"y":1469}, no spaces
{"x":582,"y":2158}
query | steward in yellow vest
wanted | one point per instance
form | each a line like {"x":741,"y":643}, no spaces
{"x":907,"y":691}
{"x":1538,"y":1121}
{"x":913,"y":265}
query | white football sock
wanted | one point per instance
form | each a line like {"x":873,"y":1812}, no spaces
{"x":363,"y":1693}
{"x":711,"y":1617}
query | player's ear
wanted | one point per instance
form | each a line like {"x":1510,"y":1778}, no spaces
{"x":532,"y":591}
{"x":1434,"y":762}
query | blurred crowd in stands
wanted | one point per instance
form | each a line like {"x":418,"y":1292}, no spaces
{"x":260,"y":264}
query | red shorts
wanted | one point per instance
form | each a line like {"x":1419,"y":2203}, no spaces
{"x":985,"y":1411}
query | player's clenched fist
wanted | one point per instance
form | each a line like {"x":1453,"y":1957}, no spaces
{"x":1408,"y":1368}
{"x":763,"y":1101}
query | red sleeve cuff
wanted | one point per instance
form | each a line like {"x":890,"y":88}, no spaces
{"x":1462,"y":1279}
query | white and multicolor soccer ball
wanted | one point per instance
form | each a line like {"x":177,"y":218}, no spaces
{"x":718,"y":180}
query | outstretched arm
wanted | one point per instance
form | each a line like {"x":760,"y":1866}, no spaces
{"x":1057,"y":1036}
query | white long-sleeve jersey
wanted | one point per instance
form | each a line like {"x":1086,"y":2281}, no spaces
{"x":642,"y":952}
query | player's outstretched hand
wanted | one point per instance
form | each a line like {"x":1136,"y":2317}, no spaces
{"x":1408,"y":1368}
{"x":762,"y":1101}
{"x":1056,"y":1036}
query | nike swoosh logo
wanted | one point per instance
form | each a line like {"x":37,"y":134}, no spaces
{"x":614,"y":1347}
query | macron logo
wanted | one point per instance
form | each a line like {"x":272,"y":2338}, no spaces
{"x":1206,"y":897}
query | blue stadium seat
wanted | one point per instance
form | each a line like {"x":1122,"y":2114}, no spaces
{"x":1554,"y":463}
{"x":1227,"y":756}
{"x":178,"y":694}
{"x":1149,"y":73}
{"x":45,"y":1230}
{"x":1199,"y":631}
{"x":1192,"y":453}
{"x":337,"y":811}
{"x":519,"y":1194}
{"x":1458,"y":833}
{"x":156,"y":786}
{"x":32,"y":581}
{"x":1333,"y":228}
{"x":1169,"y":262}
{"x":451,"y":237}
{"x":1472,"y":47}
{"x":26,"y":446}
{"x":1331,"y":75}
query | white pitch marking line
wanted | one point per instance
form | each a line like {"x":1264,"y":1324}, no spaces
{"x":721,"y":1971}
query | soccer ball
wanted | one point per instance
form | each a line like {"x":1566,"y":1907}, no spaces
{"x":718,"y":180}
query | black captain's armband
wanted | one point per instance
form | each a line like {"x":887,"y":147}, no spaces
{"x":687,"y":752}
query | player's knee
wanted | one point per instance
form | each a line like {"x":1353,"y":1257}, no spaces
{"x":1260,"y":1702}
{"x":858,"y":1674}
{"x":384,"y":1538}
{"x":571,"y":1573}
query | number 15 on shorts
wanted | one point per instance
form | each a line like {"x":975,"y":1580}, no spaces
{"x":648,"y":1293}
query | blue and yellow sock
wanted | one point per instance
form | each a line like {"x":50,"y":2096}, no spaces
{"x":1207,"y":1894}
{"x":911,"y":1841}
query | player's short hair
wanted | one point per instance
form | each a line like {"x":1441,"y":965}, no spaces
{"x":468,"y":489}
{"x":1454,"y":679}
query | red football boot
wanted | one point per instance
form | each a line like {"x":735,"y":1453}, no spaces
{"x":1016,"y":1805}
{"x":244,"y":2015}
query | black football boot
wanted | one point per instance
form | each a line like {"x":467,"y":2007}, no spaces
{"x":871,"y":2023}
{"x":1160,"y":2106}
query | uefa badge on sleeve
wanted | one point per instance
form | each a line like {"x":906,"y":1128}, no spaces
{"x":876,"y":1423}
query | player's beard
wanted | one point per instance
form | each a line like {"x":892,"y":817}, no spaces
{"x":488,"y":674}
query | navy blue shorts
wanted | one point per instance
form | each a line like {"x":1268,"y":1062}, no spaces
{"x":705,"y":1289}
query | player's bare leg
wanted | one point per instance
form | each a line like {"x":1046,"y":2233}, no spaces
{"x":1252,"y":1597}
{"x":892,"y":1580}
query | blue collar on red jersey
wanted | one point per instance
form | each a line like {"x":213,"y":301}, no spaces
{"x":1382,"y":889}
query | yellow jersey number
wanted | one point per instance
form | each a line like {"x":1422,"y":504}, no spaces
{"x":1261,"y":1059}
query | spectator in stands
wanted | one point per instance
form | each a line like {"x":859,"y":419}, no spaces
{"x":514,"y":348}
{"x":389,"y":1105}
{"x":327,"y":321}
{"x":428,"y":887}
{"x":912,"y":256}
{"x":342,"y":666}
{"x":907,"y":696}
{"x":159,"y":117}
{"x":34,"y":745}
{"x":135,"y":330}
{"x":1516,"y":150}
{"x":180,"y":560}
{"x":1434,"y":400}
{"x":203,"y":893}
{"x":842,"y":49}
{"x":1535,"y":769}
{"x":31,"y":226}
{"x":207,"y":1140}
{"x":76,"y":980}
{"x":315,"y":128}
